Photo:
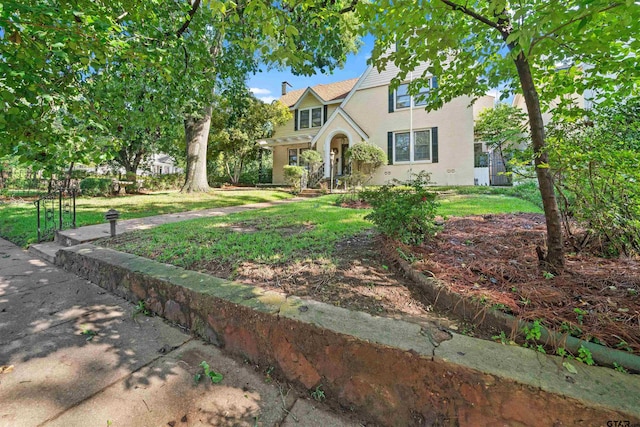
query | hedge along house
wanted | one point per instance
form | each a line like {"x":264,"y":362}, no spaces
{"x":332,"y":117}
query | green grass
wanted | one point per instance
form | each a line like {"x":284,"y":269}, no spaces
{"x":18,"y":220}
{"x":526,"y":191}
{"x":280,"y":234}
{"x":481,"y":204}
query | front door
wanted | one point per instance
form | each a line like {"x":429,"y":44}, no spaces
{"x":343,"y":160}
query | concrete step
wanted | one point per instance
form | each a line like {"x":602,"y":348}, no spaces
{"x":311,"y":192}
{"x":46,"y":251}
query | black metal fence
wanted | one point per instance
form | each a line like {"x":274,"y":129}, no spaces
{"x":497,"y":165}
{"x":55,"y":211}
{"x":498,"y":169}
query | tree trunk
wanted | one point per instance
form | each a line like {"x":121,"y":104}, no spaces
{"x":554,"y":258}
{"x":197,"y":135}
{"x":67,"y":179}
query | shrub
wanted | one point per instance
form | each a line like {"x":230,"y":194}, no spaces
{"x":598,"y":179}
{"x":365,"y":159}
{"x":311,"y":158}
{"x":172,"y":181}
{"x":404,"y":212}
{"x":293,"y":175}
{"x":96,"y":187}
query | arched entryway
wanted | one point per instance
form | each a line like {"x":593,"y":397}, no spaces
{"x":337,"y":142}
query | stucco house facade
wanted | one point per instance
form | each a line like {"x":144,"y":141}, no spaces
{"x":332,"y":117}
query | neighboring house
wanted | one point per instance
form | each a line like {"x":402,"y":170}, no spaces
{"x":332,"y":117}
{"x":155,"y":164}
{"x":487,"y":169}
{"x":161,"y":164}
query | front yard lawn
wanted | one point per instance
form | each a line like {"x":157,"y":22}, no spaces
{"x":481,"y":204}
{"x":312,"y":248}
{"x":18,"y":220}
{"x":486,"y":252}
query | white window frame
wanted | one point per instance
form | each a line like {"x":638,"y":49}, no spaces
{"x":412,"y":150}
{"x":412,"y":102}
{"x":310,"y":110}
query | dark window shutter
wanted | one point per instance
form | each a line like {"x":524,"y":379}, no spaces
{"x":434,"y":145}
{"x":434,"y":82}
{"x":295,"y":119}
{"x":326,"y":109}
{"x":391,"y":100}
{"x":389,"y":148}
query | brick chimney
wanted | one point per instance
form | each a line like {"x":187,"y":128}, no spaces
{"x":284,"y":88}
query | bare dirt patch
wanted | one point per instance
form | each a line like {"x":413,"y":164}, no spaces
{"x":492,"y":259}
{"x":356,"y":277}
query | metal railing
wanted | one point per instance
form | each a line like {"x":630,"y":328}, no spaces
{"x":55,"y":211}
{"x":316,"y":176}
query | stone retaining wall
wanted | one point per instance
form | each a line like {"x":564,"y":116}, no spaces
{"x":392,"y":372}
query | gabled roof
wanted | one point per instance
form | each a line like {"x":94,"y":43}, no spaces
{"x":340,"y":112}
{"x":327,"y":93}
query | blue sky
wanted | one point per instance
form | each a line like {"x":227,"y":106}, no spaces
{"x":267,"y":85}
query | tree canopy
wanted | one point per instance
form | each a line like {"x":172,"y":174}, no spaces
{"x":547,"y":51}
{"x":53,"y":53}
{"x":240,"y":121}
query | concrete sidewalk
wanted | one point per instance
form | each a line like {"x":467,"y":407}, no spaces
{"x":73,"y":355}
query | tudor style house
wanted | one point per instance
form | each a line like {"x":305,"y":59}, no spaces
{"x":331,"y":117}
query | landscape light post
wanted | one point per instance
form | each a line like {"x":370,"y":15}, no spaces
{"x":112,"y":216}
{"x":333,"y":156}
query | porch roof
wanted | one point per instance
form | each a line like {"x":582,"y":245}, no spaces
{"x":285,"y":140}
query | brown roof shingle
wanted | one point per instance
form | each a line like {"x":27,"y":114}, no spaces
{"x":328,"y":92}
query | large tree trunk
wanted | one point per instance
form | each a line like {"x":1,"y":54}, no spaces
{"x":554,"y":258}
{"x":197,"y":136}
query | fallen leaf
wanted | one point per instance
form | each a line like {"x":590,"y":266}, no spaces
{"x":569,"y":367}
{"x":5,"y":369}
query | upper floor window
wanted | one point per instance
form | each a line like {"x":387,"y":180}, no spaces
{"x":310,"y":118}
{"x":400,"y":99}
{"x":404,"y":100}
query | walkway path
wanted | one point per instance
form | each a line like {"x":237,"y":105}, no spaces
{"x":90,"y":233}
{"x":72,"y":354}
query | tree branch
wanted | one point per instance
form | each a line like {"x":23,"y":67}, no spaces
{"x":194,"y":9}
{"x":349,"y":8}
{"x":569,"y":22}
{"x":475,"y":15}
{"x":186,"y":58}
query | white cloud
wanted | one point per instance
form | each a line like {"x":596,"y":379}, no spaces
{"x":267,"y":99}
{"x":260,"y":91}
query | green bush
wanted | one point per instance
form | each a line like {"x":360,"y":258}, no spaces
{"x":311,"y":158}
{"x":96,"y":187}
{"x":595,"y":163}
{"x":170,"y":181}
{"x":404,"y":212}
{"x":293,"y":175}
{"x":365,"y":159}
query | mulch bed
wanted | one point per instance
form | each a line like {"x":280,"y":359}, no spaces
{"x":492,"y":259}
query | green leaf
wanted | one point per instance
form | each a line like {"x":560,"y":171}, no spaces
{"x":569,"y":367}
{"x":291,"y":31}
{"x":215,"y":377}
